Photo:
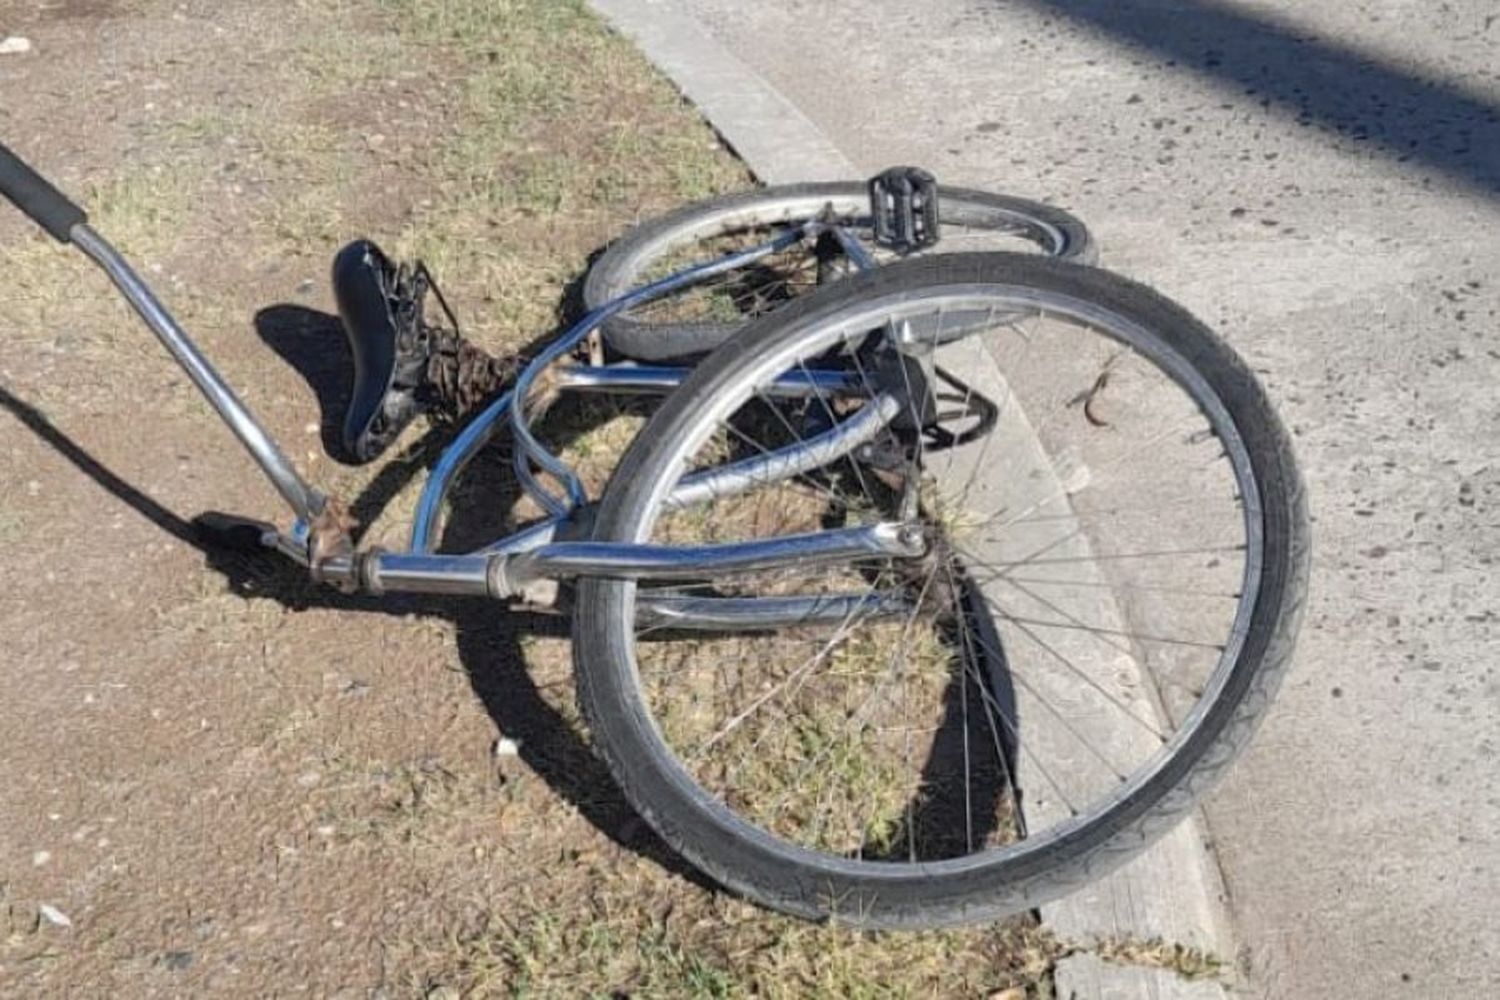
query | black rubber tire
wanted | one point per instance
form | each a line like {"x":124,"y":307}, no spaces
{"x":871,"y":894}
{"x":621,"y":267}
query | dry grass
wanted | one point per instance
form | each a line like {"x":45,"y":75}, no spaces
{"x":606,"y":944}
{"x":1189,"y":963}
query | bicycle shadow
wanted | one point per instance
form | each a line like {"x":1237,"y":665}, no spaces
{"x":312,"y":343}
{"x":490,"y":638}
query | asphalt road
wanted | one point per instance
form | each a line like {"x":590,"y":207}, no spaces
{"x":1321,"y":183}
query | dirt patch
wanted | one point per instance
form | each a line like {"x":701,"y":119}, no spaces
{"x":220,"y":780}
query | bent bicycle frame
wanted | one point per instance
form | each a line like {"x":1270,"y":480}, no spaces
{"x":318,"y":538}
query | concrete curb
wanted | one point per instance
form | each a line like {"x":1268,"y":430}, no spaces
{"x":1172,"y":892}
{"x":774,"y":138}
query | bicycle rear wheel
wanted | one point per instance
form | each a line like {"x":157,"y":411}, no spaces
{"x":702,"y":317}
{"x":1117,"y":557}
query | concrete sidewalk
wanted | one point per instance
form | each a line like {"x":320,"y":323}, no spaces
{"x":1322,"y":185}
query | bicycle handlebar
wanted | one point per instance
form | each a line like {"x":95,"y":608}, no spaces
{"x":31,"y":193}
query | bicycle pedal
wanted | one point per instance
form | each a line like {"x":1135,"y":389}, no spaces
{"x":231,"y":531}
{"x":904,"y":207}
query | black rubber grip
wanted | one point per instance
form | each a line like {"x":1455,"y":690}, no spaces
{"x":30,"y":192}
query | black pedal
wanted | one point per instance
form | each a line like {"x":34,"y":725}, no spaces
{"x":904,"y":204}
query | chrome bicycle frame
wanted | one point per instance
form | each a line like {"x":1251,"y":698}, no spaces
{"x":507,"y":567}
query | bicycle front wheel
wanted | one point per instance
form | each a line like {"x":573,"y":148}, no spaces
{"x":1116,"y":557}
{"x":702,"y":317}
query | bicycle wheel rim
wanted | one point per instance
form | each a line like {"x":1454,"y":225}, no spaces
{"x":703,"y":318}
{"x":1147,"y":784}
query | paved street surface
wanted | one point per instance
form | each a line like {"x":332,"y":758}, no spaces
{"x":1321,"y":183}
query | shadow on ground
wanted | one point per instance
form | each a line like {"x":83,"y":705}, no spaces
{"x":489,"y":636}
{"x":1318,"y":83}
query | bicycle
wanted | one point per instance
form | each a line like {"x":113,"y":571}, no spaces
{"x":850,"y":631}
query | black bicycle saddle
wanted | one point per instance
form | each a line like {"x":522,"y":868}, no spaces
{"x":381,"y":306}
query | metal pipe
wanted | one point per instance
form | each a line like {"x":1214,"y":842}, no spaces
{"x":857,"y":254}
{"x":532,"y":537}
{"x":791,"y":460}
{"x":528,"y":448}
{"x":504,"y":574}
{"x":554,"y":506}
{"x":649,"y":378}
{"x":480,"y":429}
{"x":426,"y":574}
{"x":586,"y":378}
{"x":473,"y":437}
{"x":306,"y":502}
{"x":671,"y":612}
{"x":620,"y":378}
{"x":564,"y":560}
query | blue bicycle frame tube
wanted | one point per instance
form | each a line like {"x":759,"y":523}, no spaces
{"x":479,"y":430}
{"x":528,"y":448}
{"x":454,"y":458}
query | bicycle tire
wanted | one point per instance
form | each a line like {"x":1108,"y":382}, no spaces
{"x":629,"y":260}
{"x":797,"y":881}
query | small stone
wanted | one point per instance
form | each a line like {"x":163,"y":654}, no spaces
{"x":442,"y":993}
{"x":41,"y":858}
{"x":507,"y":747}
{"x":54,"y":915}
{"x":12,"y":45}
{"x":1078,"y":479}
